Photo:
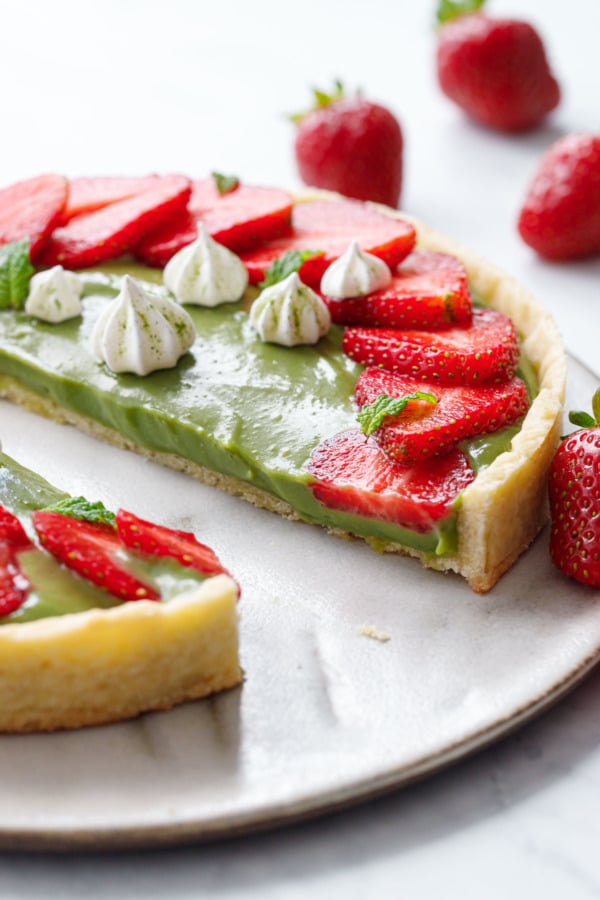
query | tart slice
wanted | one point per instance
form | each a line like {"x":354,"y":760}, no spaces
{"x":103,"y":618}
{"x":246,"y":415}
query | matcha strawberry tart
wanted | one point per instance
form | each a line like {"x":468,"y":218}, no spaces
{"x":330,"y":360}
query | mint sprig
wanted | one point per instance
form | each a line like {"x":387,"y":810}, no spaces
{"x":225,"y":183}
{"x":373,"y":415}
{"x":15,"y":274}
{"x":80,"y":508}
{"x":285,"y":265}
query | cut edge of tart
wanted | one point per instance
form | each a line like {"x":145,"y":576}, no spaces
{"x":505,"y":507}
{"x":102,"y":665}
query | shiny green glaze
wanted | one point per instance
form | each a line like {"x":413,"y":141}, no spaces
{"x":247,"y":409}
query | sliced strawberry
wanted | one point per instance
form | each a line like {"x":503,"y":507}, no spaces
{"x":90,"y":550}
{"x":485,"y":349}
{"x":31,"y":209}
{"x":423,"y":430}
{"x":329,"y":227}
{"x":428,"y":290}
{"x":14,"y":586}
{"x":241,"y":219}
{"x":116,"y":229}
{"x":353,"y":474}
{"x":88,"y":194}
{"x":157,"y":540}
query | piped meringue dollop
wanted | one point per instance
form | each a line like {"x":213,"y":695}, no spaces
{"x":355,"y":274}
{"x":140,"y":332}
{"x":290,"y":313}
{"x":54,"y":295}
{"x":205,"y":273}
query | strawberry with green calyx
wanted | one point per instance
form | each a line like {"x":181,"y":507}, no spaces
{"x":574,"y":492}
{"x":31,"y":209}
{"x":482,"y":350}
{"x":15,"y":274}
{"x":350,"y":145}
{"x":424,"y":429}
{"x":428,"y":290}
{"x":332,"y":227}
{"x":14,"y":586}
{"x":560,"y":216}
{"x":496,"y":70}
{"x":241,"y":218}
{"x":352,"y":474}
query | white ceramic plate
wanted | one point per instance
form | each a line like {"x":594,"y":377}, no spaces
{"x":327,"y":715}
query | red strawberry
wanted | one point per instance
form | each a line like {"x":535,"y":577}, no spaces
{"x":496,"y":70}
{"x":14,"y":586}
{"x":88,"y":194}
{"x":32,"y":209}
{"x":350,"y":145}
{"x":353,"y":474}
{"x":157,"y":540}
{"x":107,"y":233}
{"x":425,"y":429}
{"x":560,"y":217}
{"x":484,"y":349}
{"x":428,"y":290}
{"x":91,"y":550}
{"x":241,"y":219}
{"x":329,"y":227}
{"x":574,"y":490}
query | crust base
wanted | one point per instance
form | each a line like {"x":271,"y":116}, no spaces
{"x":103,"y":666}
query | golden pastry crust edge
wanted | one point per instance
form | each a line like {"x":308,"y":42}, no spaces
{"x":102,"y":666}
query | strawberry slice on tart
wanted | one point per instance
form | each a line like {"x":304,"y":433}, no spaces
{"x":14,"y":586}
{"x":326,"y":229}
{"x":413,"y":421}
{"x":241,"y":217}
{"x":354,"y":475}
{"x":89,"y":193}
{"x":109,"y":232}
{"x":31,"y":209}
{"x":482,"y":350}
{"x":428,"y":290}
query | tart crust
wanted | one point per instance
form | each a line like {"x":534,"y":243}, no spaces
{"x":503,"y":510}
{"x":106,"y":665}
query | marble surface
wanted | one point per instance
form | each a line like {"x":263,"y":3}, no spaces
{"x":127,"y":87}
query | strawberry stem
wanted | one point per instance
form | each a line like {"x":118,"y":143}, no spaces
{"x":452,"y":9}
{"x":321,"y":99}
{"x":584,"y":419}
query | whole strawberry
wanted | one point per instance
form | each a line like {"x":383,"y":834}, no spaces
{"x":574,"y":491}
{"x":350,"y":145}
{"x":560,"y":217}
{"x":495,"y":69}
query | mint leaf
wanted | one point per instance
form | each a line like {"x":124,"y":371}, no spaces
{"x":374,"y":414}
{"x":225,"y":183}
{"x":285,"y":265}
{"x":15,"y":273}
{"x":452,"y":9}
{"x":80,"y":508}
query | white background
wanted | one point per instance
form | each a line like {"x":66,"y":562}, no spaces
{"x":132,"y":87}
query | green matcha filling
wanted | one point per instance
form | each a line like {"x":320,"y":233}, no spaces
{"x":234,"y":404}
{"x":56,"y":590}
